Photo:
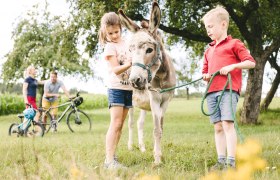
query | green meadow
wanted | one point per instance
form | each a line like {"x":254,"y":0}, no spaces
{"x":187,"y":146}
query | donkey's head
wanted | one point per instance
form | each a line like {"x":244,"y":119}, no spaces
{"x":145,"y":48}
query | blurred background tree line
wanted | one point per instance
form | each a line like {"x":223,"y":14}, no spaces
{"x":54,"y":42}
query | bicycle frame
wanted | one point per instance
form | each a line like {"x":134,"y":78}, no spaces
{"x":27,"y":124}
{"x":70,"y":105}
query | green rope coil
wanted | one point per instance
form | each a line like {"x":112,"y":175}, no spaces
{"x":228,"y":82}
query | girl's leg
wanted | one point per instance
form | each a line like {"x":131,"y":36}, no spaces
{"x":125,"y":111}
{"x":114,"y":131}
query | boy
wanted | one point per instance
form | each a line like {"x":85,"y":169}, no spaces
{"x":226,"y":55}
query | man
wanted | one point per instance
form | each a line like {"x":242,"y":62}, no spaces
{"x":50,"y":97}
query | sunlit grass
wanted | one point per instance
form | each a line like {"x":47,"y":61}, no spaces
{"x":187,"y":145}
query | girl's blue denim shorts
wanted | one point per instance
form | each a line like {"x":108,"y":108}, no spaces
{"x":224,"y":111}
{"x":118,"y":97}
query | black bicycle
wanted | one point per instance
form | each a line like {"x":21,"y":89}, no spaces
{"x":28,"y":126}
{"x":77,"y":120}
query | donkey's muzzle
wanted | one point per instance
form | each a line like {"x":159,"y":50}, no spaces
{"x":138,"y":83}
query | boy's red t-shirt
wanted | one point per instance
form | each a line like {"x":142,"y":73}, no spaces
{"x":229,"y":51}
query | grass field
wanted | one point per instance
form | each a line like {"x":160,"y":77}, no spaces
{"x":187,"y":146}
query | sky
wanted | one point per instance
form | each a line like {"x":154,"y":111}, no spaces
{"x":10,"y":13}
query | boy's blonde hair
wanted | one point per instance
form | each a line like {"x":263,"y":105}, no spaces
{"x":219,"y":12}
{"x":108,"y":19}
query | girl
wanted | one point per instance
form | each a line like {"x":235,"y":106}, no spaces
{"x":119,"y":94}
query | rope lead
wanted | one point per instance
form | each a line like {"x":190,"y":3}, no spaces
{"x":229,"y":82}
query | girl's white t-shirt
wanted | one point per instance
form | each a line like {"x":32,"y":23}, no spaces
{"x":120,"y":50}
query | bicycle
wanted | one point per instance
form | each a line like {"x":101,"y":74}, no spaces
{"x":28,"y":126}
{"x":77,"y":120}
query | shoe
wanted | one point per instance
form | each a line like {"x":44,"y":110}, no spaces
{"x":114,"y":165}
{"x":54,"y":129}
{"x":230,"y":166}
{"x":115,"y":158}
{"x":218,"y":167}
{"x":54,"y":126}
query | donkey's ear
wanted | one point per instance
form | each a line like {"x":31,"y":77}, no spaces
{"x":127,"y":22}
{"x":155,"y":18}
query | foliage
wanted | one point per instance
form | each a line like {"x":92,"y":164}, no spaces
{"x":48,"y":43}
{"x":13,"y":88}
{"x":13,"y":104}
{"x":91,"y":101}
{"x":187,"y":142}
{"x":256,"y":23}
{"x":87,"y":15}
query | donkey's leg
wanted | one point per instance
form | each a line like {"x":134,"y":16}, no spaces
{"x":156,"y":113}
{"x":158,"y":116}
{"x":130,"y":128}
{"x":157,"y":138}
{"x":140,"y":125}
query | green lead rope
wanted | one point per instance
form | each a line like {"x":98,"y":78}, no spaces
{"x":219,"y":100}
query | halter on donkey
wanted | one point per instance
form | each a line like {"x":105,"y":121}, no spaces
{"x":151,"y":68}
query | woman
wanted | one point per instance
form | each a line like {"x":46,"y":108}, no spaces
{"x":30,"y":85}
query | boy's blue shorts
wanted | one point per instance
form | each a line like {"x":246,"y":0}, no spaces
{"x":118,"y":97}
{"x":224,"y":111}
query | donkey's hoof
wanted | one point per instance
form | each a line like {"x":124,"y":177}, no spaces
{"x":130,"y":147}
{"x":142,"y":148}
{"x":157,"y":160}
{"x":156,"y":165}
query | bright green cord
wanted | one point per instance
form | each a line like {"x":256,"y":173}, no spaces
{"x":219,"y":100}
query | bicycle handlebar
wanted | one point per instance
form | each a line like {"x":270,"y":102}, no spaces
{"x":29,"y":105}
{"x":77,"y":95}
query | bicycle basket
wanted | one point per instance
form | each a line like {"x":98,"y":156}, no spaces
{"x":29,"y":113}
{"x":78,"y":101}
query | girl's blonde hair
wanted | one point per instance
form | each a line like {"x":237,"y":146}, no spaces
{"x":28,"y":70}
{"x":219,"y":12}
{"x":108,"y":19}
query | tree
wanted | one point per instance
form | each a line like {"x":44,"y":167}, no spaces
{"x":187,"y":67}
{"x":257,"y":23}
{"x":48,"y":44}
{"x":267,"y":100}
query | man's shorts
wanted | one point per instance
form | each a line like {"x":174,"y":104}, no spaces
{"x":224,"y":111}
{"x":118,"y":97}
{"x":46,"y":105}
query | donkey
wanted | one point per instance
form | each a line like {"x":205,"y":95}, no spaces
{"x":152,"y":69}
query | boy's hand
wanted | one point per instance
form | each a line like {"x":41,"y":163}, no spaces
{"x":206,"y":77}
{"x":225,"y":70}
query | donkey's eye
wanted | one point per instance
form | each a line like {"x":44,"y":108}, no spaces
{"x":149,"y":50}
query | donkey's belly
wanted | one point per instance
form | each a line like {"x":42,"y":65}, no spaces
{"x":141,"y":100}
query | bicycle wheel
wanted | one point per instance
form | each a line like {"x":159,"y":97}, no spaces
{"x":46,"y":125}
{"x":78,"y":121}
{"x":14,"y":130}
{"x":34,"y":130}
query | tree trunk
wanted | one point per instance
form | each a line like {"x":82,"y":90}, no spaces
{"x":188,"y":93}
{"x":270,"y":94}
{"x":41,"y":92}
{"x":251,"y":105}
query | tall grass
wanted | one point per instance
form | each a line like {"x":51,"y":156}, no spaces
{"x":14,"y":104}
{"x":187,"y":146}
{"x":11,"y":104}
